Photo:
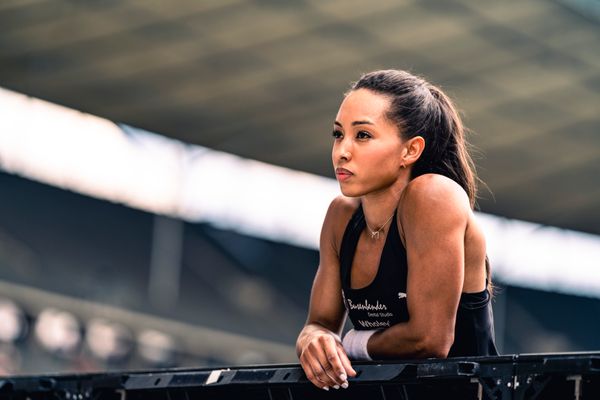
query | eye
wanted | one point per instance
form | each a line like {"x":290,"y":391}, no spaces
{"x":363,"y":135}
{"x":337,"y":134}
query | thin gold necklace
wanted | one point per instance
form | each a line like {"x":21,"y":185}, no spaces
{"x":375,"y":234}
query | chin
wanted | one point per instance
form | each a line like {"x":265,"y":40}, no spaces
{"x":350,"y":192}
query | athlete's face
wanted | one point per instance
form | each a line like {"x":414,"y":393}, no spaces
{"x":367,"y":147}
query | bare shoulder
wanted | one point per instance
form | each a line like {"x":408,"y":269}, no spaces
{"x":341,"y":209}
{"x":431,"y":201}
{"x":344,"y":205}
{"x":339,"y":213}
{"x":437,"y":191}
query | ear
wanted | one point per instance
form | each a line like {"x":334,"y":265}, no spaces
{"x":413,"y":148}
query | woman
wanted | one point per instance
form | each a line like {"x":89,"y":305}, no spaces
{"x":400,"y":252}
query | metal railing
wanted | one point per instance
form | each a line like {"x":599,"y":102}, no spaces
{"x":525,"y":376}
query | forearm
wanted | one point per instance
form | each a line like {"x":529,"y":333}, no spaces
{"x":403,"y":340}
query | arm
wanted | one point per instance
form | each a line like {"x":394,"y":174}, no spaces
{"x":318,"y":346}
{"x":434,"y":218}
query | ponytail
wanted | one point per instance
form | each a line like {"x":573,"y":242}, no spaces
{"x":421,"y":109}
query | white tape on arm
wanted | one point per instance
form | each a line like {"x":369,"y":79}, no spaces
{"x":355,"y":344}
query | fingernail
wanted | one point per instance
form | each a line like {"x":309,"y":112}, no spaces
{"x":336,"y":387}
{"x":326,"y":388}
{"x":343,"y":377}
{"x":345,"y":385}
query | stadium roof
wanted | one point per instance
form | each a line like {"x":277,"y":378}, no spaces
{"x":263,"y":79}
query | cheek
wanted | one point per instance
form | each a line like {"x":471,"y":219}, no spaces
{"x":386,"y":159}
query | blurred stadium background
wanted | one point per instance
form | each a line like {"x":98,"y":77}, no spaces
{"x":165,"y":168}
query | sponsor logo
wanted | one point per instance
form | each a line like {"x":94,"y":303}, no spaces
{"x":366,"y":306}
{"x":374,"y":324}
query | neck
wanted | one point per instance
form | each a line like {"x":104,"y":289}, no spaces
{"x":379,"y":205}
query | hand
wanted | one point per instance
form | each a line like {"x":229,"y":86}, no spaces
{"x":325,"y":362}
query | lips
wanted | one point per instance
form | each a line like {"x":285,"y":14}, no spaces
{"x":342,"y":174}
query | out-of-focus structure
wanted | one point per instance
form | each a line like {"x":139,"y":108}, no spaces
{"x":91,"y":284}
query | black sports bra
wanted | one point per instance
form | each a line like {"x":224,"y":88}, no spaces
{"x":382,"y":303}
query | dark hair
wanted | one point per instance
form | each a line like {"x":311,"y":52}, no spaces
{"x":421,"y":109}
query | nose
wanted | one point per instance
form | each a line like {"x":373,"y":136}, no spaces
{"x":342,"y":152}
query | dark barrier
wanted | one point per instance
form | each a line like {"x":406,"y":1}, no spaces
{"x":533,"y":376}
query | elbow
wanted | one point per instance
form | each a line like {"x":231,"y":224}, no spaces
{"x":434,"y":346}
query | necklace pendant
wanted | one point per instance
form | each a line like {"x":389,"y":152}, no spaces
{"x":375,"y":235}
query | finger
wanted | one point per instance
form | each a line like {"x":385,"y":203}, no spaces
{"x":308,"y":371}
{"x":322,"y":378}
{"x":345,"y":361}
{"x":314,"y":371}
{"x":323,"y":370}
{"x":332,"y":362}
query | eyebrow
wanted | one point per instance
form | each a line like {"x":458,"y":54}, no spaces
{"x":354,"y":123}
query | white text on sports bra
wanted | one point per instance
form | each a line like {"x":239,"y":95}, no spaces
{"x":367,"y":306}
{"x":374,"y":324}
